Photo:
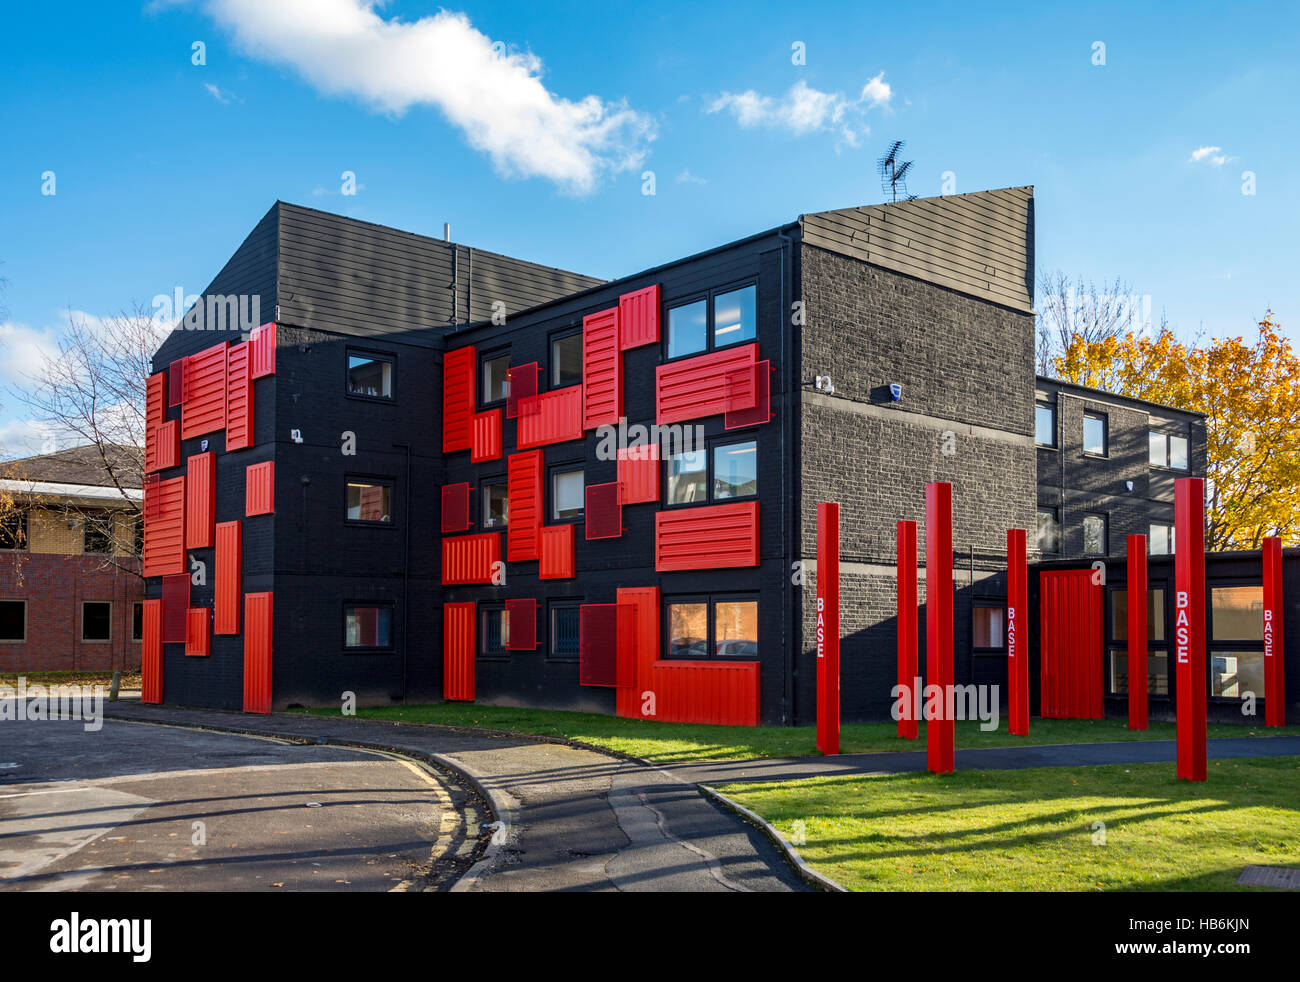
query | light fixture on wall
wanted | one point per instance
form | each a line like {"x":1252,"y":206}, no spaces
{"x":822,"y":383}
{"x":896,"y":391}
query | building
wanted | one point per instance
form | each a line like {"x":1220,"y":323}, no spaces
{"x":420,"y":478}
{"x":71,"y":589}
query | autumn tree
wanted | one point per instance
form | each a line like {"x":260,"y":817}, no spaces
{"x":1250,"y":395}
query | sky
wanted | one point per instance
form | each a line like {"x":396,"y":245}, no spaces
{"x":166,"y":129}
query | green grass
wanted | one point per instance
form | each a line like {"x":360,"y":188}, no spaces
{"x":672,"y":742}
{"x":1032,"y":829}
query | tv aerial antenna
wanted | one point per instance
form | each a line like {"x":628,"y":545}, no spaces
{"x":893,"y":173}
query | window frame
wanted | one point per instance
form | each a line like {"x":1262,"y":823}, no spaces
{"x":137,"y":615}
{"x":104,"y":640}
{"x":552,"y":472}
{"x":1105,"y":533}
{"x":483,"y":359}
{"x":23,"y":515}
{"x":1105,"y":434}
{"x":23,"y":602}
{"x":483,"y":609}
{"x":495,"y":480}
{"x":366,"y":649}
{"x":1151,"y":526}
{"x":371,"y":480}
{"x":709,"y":297}
{"x":711,"y":445}
{"x":1113,"y":645}
{"x":388,"y":356}
{"x":1055,"y":512}
{"x":552,"y":364}
{"x":988,"y":603}
{"x":552,"y":607}
{"x":1051,"y":408}
{"x":104,"y":522}
{"x":711,"y":601}
{"x":1168,"y":438}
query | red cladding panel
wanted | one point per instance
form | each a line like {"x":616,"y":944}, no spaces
{"x":1070,"y":645}
{"x":602,"y":370}
{"x":198,"y":622}
{"x":487,"y":437}
{"x":1136,"y":587}
{"x":1274,"y":642}
{"x":724,"y":693}
{"x":1018,"y":632}
{"x":712,"y":537}
{"x":167,"y":445}
{"x":939,"y":732}
{"x":556,"y":561}
{"x":458,"y":399}
{"x":470,"y":558}
{"x":521,"y":384}
{"x":638,"y":649}
{"x":205,"y":392}
{"x":521,"y":622}
{"x":706,"y":385}
{"x":638,"y":473}
{"x":164,"y":527}
{"x":603,"y":515}
{"x":524,"y":490}
{"x":259,"y":489}
{"x":455,"y":507}
{"x":828,"y":627}
{"x":1189,"y":627}
{"x":906,"y":634}
{"x":762,"y":410}
{"x":176,"y":382}
{"x":151,"y":653}
{"x":458,"y":651}
{"x":154,"y":416}
{"x":638,"y":318}
{"x":598,"y":644}
{"x":262,"y":356}
{"x":239,"y":398}
{"x":257,"y":653}
{"x":552,"y":417}
{"x":200,"y":500}
{"x":228,"y":587}
{"x":176,"y":602}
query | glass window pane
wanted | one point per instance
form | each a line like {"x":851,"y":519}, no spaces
{"x":733,"y":316}
{"x":1178,"y":452}
{"x":565,"y":627}
{"x":735,"y":629}
{"x":686,"y":328}
{"x":735,"y":470}
{"x":13,"y":620}
{"x":988,"y":627}
{"x":368,"y":502}
{"x":688,"y":630}
{"x":1045,"y":426}
{"x":96,"y":621}
{"x":1046,"y":539}
{"x":1155,"y":615}
{"x":370,"y":376}
{"x":567,"y":495}
{"x":13,"y":530}
{"x":566,"y":361}
{"x":1237,"y":613}
{"x":494,"y":378}
{"x":686,"y":477}
{"x":137,"y":622}
{"x":1094,"y":434}
{"x":1233,"y":674}
{"x":494,"y":632}
{"x":1157,"y":672}
{"x":1156,"y":455}
{"x":1094,"y":535}
{"x":496,"y":505}
{"x":367,"y":627}
{"x":1160,"y":539}
{"x":97,"y":537}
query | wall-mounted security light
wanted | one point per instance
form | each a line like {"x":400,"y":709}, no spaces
{"x":295,"y":436}
{"x":1129,"y":485}
{"x":824,"y":384}
{"x":896,"y":391}
{"x":203,"y":446}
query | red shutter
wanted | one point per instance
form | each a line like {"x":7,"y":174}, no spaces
{"x":524,"y":490}
{"x":603,"y":515}
{"x":1070,"y":646}
{"x":706,"y":385}
{"x":470,"y":558}
{"x":458,"y":651}
{"x":486,"y":437}
{"x":638,"y":648}
{"x":151,"y":653}
{"x":711,"y":537}
{"x":164,"y":527}
{"x":261,"y":359}
{"x":602,"y":370}
{"x":239,"y":398}
{"x":167,"y":445}
{"x":552,"y":417}
{"x":229,"y":584}
{"x":458,"y":398}
{"x":204,"y":410}
{"x":198,"y":620}
{"x":638,"y":318}
{"x":557,"y":553}
{"x":455,"y":507}
{"x":521,"y":621}
{"x":175,"y":605}
{"x":762,"y":410}
{"x":257,"y":652}
{"x":200,"y":500}
{"x":598,"y":644}
{"x":259,"y":489}
{"x":154,"y":416}
{"x":176,"y":382}
{"x":638,"y":473}
{"x":521,"y":384}
{"x":717,"y":692}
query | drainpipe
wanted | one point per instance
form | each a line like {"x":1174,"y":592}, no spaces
{"x":787,"y":613}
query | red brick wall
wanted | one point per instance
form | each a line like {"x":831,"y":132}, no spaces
{"x":54,"y":587}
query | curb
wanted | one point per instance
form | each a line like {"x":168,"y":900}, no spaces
{"x":804,"y":871}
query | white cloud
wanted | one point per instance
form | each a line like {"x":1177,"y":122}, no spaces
{"x":1214,"y":155}
{"x":804,"y":109}
{"x":494,"y":96}
{"x":686,"y":177}
{"x":223,"y":97}
{"x":23,"y":349}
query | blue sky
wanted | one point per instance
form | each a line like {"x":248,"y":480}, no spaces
{"x":163,"y":166}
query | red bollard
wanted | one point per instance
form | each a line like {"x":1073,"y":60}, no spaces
{"x":908,"y":669}
{"x":939,"y":733}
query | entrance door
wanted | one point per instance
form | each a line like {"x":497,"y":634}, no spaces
{"x":1070,"y":645}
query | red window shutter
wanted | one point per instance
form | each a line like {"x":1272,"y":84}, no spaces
{"x":458,"y":651}
{"x":229,"y":584}
{"x":557,"y":553}
{"x":598,"y":644}
{"x":711,"y":537}
{"x":602,"y":370}
{"x":455,"y":507}
{"x":638,"y":318}
{"x":200,"y":500}
{"x":521,"y":384}
{"x":603,"y":515}
{"x":470,"y":558}
{"x":259,"y":489}
{"x":164,"y":527}
{"x":762,"y":410}
{"x":524,"y":491}
{"x":176,"y":382}
{"x":458,"y":398}
{"x":151,"y":653}
{"x":638,"y":648}
{"x":239,"y":398}
{"x":638,"y":473}
{"x":204,"y":410}
{"x":198,"y":620}
{"x":706,"y":385}
{"x":716,"y":692}
{"x":257,"y":652}
{"x":487,"y":437}
{"x":154,"y":416}
{"x":521,"y":623}
{"x":262,"y":356}
{"x":167,"y":445}
{"x":176,"y":604}
{"x":552,"y":417}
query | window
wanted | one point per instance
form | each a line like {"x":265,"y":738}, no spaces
{"x":733,"y":474}
{"x":96,"y":620}
{"x":566,"y":361}
{"x":367,"y":626}
{"x":137,"y":536}
{"x":1155,"y":615}
{"x":13,"y":620}
{"x":496,"y":505}
{"x":369,"y":502}
{"x":1237,"y":613}
{"x":565,"y":627}
{"x":97,"y":535}
{"x":1048,"y":530}
{"x":1157,"y":672}
{"x":494,"y":378}
{"x":1117,"y":676}
{"x":1044,"y":425}
{"x":1237,"y":637}
{"x":370,"y":375}
{"x":1160,"y":539}
{"x":567,"y":494}
{"x":688,"y":477}
{"x":735,"y":470}
{"x":1167,"y":450}
{"x":725,"y":627}
{"x":989,"y":621}
{"x":137,"y":621}
{"x":722,"y":319}
{"x":13,"y":530}
{"x":492,"y":637}
{"x":1233,"y":674}
{"x":1094,"y":434}
{"x":1094,"y":535}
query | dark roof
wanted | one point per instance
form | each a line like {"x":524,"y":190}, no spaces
{"x":80,"y":465}
{"x":1102,"y":395}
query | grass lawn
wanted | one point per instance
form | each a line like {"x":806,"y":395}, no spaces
{"x":1033,"y":829}
{"x":670,"y":742}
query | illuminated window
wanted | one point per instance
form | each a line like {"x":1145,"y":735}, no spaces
{"x":369,"y":502}
{"x":725,"y":627}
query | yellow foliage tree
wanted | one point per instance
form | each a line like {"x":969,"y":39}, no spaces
{"x":1250,"y":394}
